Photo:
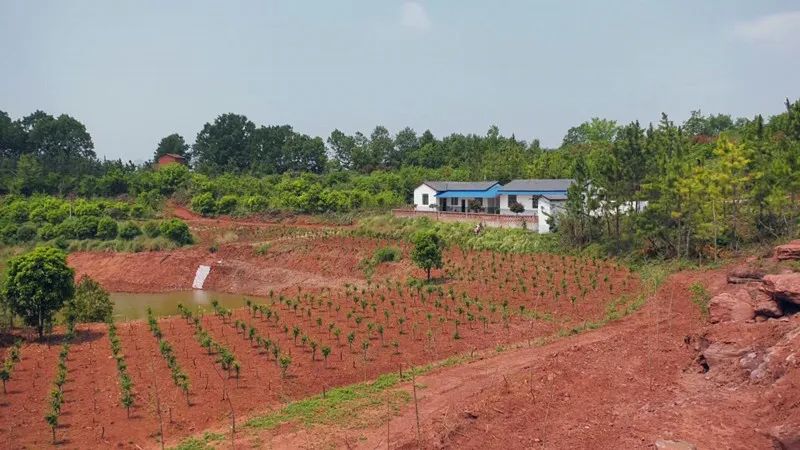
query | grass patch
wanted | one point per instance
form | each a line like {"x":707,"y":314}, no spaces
{"x":201,"y":443}
{"x":262,"y":249}
{"x":351,"y":404}
{"x":700,"y":297}
{"x":512,"y":240}
{"x":381,"y":255}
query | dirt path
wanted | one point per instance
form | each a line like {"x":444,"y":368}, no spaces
{"x":623,"y":386}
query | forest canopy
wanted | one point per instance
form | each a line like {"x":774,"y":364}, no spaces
{"x":710,"y":183}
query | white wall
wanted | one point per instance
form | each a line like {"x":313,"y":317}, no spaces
{"x":424,"y":189}
{"x":548,"y":208}
{"x":525,"y":200}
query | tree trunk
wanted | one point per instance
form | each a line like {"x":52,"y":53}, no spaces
{"x":429,"y":273}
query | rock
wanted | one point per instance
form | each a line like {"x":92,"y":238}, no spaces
{"x":727,"y":308}
{"x":786,"y":437}
{"x":768,"y":308}
{"x":788,"y":251}
{"x":664,"y":444}
{"x":745,"y":274}
{"x":785,"y":286}
{"x":721,"y":353}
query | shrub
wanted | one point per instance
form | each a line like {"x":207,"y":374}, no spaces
{"x":91,"y":302}
{"x":204,"y":204}
{"x":9,"y":233}
{"x":177,"y":231}
{"x":151,"y":229}
{"x":47,"y":232}
{"x":129,"y":230}
{"x":256,"y":203}
{"x":107,"y":228}
{"x":227,"y":204}
{"x":26,"y":232}
{"x":386,"y":254}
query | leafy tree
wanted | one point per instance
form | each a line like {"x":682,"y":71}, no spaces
{"x":91,"y":302}
{"x":595,"y":131}
{"x":177,"y":231}
{"x":342,"y":147}
{"x":225,"y":145}
{"x":38,"y":283}
{"x":172,"y":144}
{"x":106,"y":228}
{"x":129,"y":230}
{"x":427,"y":253}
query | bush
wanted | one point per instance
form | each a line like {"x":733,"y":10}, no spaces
{"x":107,"y":228}
{"x":386,"y":254}
{"x":204,"y":204}
{"x":91,"y":302}
{"x":26,"y":232}
{"x":8,"y":233}
{"x":47,"y":232}
{"x":256,"y":203}
{"x":227,"y":204}
{"x":177,"y":231}
{"x":87,"y":227}
{"x":129,"y":230}
{"x":151,"y":229}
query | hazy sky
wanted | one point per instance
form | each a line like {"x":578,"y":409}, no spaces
{"x":135,"y":71}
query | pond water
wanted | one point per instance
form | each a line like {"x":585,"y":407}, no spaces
{"x":128,"y":306}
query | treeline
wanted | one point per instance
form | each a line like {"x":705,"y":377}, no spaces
{"x":710,"y":183}
{"x":710,"y":186}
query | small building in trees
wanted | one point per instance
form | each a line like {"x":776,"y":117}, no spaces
{"x":457,"y":196}
{"x":541,"y":198}
{"x":170,"y":158}
{"x":532,"y":201}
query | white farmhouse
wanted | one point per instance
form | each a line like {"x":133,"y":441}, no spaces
{"x":457,"y":196}
{"x":540,"y":199}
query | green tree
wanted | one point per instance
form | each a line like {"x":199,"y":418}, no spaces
{"x":225,"y":145}
{"x":427,"y":253}
{"x":172,"y":144}
{"x":91,"y":302}
{"x":38,"y":283}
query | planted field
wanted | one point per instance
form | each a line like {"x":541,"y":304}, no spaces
{"x":178,"y":375}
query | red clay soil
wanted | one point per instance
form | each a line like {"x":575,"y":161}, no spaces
{"x":93,"y":417}
{"x":626,"y":385}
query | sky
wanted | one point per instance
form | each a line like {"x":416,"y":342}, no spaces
{"x":136,"y":71}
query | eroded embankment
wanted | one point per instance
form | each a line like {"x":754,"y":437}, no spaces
{"x":234,"y":269}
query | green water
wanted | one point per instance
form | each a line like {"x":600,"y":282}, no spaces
{"x":129,"y":306}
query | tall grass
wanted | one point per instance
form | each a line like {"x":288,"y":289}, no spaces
{"x":510,"y":240}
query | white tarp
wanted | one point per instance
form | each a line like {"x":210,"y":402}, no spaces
{"x":200,"y":276}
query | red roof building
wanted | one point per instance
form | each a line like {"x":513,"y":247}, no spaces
{"x":170,"y":158}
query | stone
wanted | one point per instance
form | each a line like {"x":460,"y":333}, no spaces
{"x":786,"y":436}
{"x":727,"y":308}
{"x":721,"y":353}
{"x":665,"y":444}
{"x":785,"y":287}
{"x":768,"y":308}
{"x":788,"y":251}
{"x":745,"y":274}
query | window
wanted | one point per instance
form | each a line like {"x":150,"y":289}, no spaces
{"x":454,"y":201}
{"x":512,"y":199}
{"x":535,"y":201}
{"x":424,"y":199}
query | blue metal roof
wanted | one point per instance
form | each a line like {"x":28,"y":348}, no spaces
{"x":542,"y":193}
{"x":488,"y":193}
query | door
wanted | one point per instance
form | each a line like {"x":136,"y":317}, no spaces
{"x":463,"y":205}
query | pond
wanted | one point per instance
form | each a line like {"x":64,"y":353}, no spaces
{"x":128,"y":306}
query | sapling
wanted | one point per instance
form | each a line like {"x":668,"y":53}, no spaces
{"x":326,"y":351}
{"x":285,"y":361}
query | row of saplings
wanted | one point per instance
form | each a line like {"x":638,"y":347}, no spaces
{"x":38,"y":285}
